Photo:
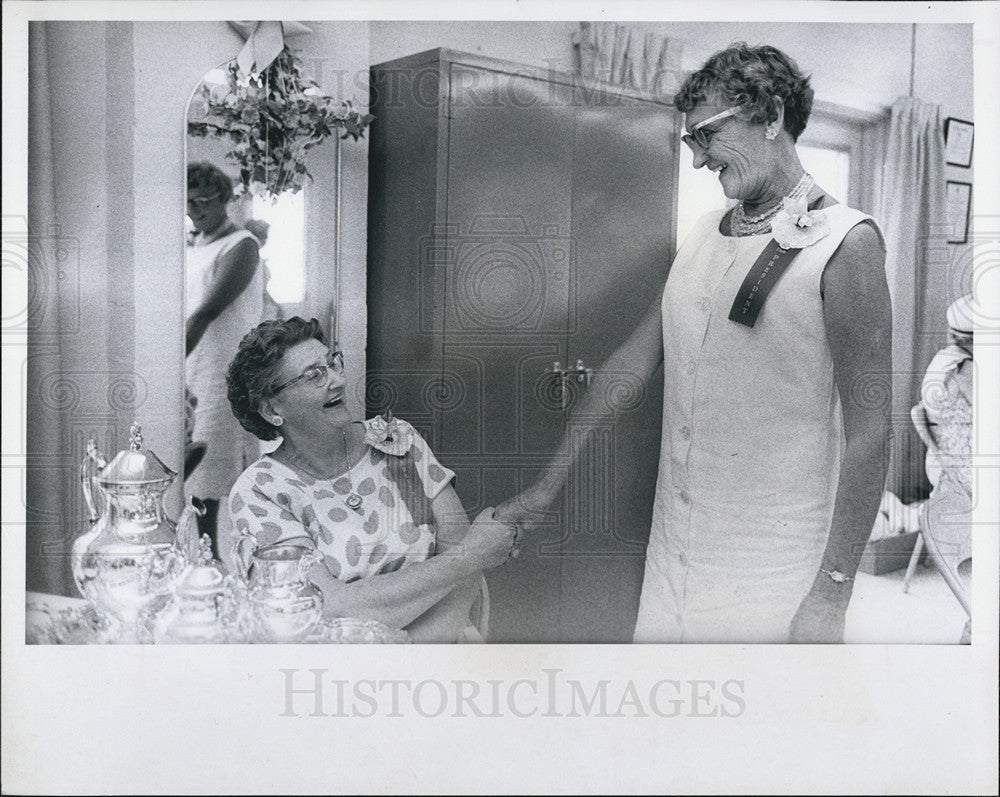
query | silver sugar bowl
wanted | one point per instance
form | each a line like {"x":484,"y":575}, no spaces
{"x":205,"y":607}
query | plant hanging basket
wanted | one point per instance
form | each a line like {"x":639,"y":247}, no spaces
{"x":272,"y":120}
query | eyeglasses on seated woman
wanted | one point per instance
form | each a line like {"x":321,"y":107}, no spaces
{"x":370,"y":496}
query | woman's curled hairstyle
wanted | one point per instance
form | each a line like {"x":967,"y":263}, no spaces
{"x":208,"y":177}
{"x":252,"y":372}
{"x":753,"y":78}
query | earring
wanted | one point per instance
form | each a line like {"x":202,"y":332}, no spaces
{"x":277,"y":420}
{"x":771,"y":132}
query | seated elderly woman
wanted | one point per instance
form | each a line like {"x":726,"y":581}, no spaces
{"x":944,"y":421}
{"x":370,"y":496}
{"x":946,"y":396}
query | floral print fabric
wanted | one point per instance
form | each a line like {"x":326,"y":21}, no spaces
{"x":271,"y":503}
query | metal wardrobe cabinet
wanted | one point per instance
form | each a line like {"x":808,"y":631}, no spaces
{"x":522,"y":220}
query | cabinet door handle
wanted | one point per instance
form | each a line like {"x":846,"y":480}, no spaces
{"x":580,"y":372}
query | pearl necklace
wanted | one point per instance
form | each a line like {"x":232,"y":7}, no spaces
{"x":741,"y":225}
{"x":352,"y":499}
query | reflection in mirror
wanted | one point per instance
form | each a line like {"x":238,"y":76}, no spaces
{"x":235,"y":243}
{"x":279,"y":225}
{"x":247,"y":144}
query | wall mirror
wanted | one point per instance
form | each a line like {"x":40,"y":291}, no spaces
{"x":262,"y":237}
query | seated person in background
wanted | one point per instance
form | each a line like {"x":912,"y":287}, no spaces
{"x":946,"y":396}
{"x":370,"y":496}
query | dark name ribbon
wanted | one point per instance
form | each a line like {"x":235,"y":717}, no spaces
{"x":761,"y":279}
{"x":763,"y":276}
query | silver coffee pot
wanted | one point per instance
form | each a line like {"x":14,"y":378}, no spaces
{"x":128,"y":561}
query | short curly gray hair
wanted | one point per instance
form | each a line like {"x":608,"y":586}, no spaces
{"x":252,"y":372}
{"x":752,"y":78}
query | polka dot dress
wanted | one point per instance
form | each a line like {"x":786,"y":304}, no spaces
{"x":361,"y":521}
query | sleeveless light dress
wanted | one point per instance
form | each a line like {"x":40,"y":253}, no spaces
{"x":230,"y":448}
{"x":751,"y":444}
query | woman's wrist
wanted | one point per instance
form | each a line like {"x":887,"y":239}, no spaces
{"x":833,"y":587}
{"x":456,"y":564}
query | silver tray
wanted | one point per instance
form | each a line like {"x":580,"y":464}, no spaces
{"x":73,"y":626}
{"x":83,"y":625}
{"x":350,"y":631}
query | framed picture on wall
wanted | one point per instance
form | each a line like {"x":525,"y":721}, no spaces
{"x":958,"y":199}
{"x":958,"y":142}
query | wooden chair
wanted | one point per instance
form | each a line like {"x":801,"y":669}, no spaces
{"x":945,"y":522}
{"x":919,"y":416}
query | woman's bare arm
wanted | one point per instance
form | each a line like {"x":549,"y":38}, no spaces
{"x":399,"y":598}
{"x":858,"y":319}
{"x":639,"y":356}
{"x":446,"y":620}
{"x":234,"y":271}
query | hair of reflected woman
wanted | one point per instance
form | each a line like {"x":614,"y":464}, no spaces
{"x":210,"y":178}
{"x":253,"y":371}
{"x":754,"y":79}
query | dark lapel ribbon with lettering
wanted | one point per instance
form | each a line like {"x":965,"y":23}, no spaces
{"x":763,"y":276}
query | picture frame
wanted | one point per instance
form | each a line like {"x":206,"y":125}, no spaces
{"x":958,"y":199}
{"x":958,"y":137}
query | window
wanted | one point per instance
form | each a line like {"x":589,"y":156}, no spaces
{"x":830,"y":167}
{"x":283,"y":250}
{"x":698,"y":193}
{"x":699,"y":190}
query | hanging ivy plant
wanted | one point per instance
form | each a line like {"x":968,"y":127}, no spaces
{"x":272,"y":120}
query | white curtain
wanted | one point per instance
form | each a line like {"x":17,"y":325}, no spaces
{"x":47,"y":506}
{"x":912,"y":213}
{"x":82,"y":382}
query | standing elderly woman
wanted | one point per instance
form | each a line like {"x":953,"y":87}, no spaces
{"x":224,"y":295}
{"x":370,"y":496}
{"x":774,"y":331}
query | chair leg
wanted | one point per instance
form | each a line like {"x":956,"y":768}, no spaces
{"x":949,"y":575}
{"x":914,"y":558}
{"x":484,"y":612}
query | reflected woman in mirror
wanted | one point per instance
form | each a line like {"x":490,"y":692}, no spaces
{"x":224,"y":298}
{"x":369,"y":495}
{"x":260,"y":230}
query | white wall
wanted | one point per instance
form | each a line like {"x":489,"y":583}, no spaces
{"x":168,"y":60}
{"x":545,"y":44}
{"x":336,"y":56}
{"x":864,"y":66}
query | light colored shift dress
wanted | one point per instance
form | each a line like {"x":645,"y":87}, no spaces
{"x":230,"y":447}
{"x":752,"y":439}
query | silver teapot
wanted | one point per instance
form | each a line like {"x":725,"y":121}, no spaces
{"x":286,"y":606}
{"x":127,"y":563}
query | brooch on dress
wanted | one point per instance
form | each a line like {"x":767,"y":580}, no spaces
{"x":353,"y":501}
{"x":388,"y":435}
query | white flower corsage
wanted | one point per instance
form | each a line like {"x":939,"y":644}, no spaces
{"x":796,"y":227}
{"x":388,"y":435}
